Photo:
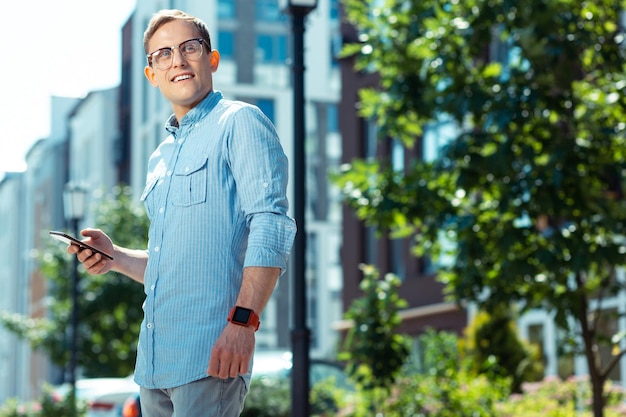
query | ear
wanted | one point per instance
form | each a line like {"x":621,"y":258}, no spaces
{"x":150,"y":75}
{"x":215,"y":60}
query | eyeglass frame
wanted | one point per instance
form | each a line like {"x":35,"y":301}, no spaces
{"x":171,"y":49}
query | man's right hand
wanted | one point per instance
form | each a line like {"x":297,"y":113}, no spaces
{"x":94,"y":263}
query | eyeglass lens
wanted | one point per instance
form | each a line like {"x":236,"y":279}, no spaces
{"x":162,"y":59}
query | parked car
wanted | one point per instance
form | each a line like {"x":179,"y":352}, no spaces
{"x":278,"y":364}
{"x":104,"y":396}
{"x":132,"y":406}
{"x":273,"y":365}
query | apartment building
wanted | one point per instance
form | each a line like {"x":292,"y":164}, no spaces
{"x":31,"y":204}
{"x":13,"y":297}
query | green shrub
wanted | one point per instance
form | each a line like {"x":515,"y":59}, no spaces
{"x":271,"y":397}
{"x":459,"y":395}
{"x":492,"y":346}
{"x":48,"y":406}
{"x":441,"y":384}
{"x":554,"y":397}
{"x":327,"y":399}
{"x":444,"y":386}
{"x":268,"y":397}
{"x":373,"y":350}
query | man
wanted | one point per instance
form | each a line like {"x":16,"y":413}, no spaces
{"x":219,"y":234}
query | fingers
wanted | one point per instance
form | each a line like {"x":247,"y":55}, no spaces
{"x":99,"y":268}
{"x":92,"y":233}
{"x":232,"y":352}
{"x":94,"y":263}
{"x":224,"y":368}
{"x":87,"y":256}
{"x":214,"y":366}
{"x":72,"y":249}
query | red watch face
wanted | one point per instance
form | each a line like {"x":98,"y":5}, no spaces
{"x":242,"y":315}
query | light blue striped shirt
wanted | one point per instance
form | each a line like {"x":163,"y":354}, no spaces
{"x":216,"y":199}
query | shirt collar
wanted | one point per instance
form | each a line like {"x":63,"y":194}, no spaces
{"x":197,"y":113}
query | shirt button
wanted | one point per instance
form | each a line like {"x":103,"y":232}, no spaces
{"x":265,"y":184}
{"x":186,"y":169}
{"x":149,"y":325}
{"x":156,"y":248}
{"x":161,"y":210}
{"x":169,"y":173}
{"x":152,"y":287}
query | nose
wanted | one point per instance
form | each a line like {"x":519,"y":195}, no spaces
{"x":177,"y":57}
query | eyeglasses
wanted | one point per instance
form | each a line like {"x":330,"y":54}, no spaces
{"x":162,"y":58}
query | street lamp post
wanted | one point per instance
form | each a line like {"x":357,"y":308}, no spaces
{"x":74,"y":207}
{"x":299,"y":9}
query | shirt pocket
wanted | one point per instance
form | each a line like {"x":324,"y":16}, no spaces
{"x":149,"y":187}
{"x":189,"y":183}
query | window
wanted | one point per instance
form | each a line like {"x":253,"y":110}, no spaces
{"x":535,"y":338}
{"x":265,"y":104}
{"x":267,"y":107}
{"x":334,"y":9}
{"x":370,"y":138}
{"x":226,"y":9}
{"x":397,"y":155}
{"x":333,"y":118}
{"x":226,"y":44}
{"x":271,"y":48}
{"x":397,"y":259}
{"x":336,"y":43}
{"x":267,"y":11}
{"x":438,"y":134}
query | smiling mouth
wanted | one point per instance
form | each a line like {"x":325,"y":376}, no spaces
{"x":181,"y":78}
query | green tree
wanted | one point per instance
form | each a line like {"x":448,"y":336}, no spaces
{"x":492,"y":346}
{"x":526,"y":197}
{"x":375,"y":353}
{"x":109,"y":305}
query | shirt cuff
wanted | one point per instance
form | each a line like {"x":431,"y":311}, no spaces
{"x":270,"y":241}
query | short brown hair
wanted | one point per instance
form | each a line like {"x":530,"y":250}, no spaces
{"x":167,"y":15}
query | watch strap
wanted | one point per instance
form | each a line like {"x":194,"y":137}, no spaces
{"x":251,"y":318}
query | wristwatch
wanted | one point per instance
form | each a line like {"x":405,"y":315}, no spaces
{"x":244,"y":317}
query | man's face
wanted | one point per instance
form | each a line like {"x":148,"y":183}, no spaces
{"x":187,"y":81}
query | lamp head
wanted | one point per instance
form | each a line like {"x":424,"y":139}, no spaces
{"x":298,"y":6}
{"x":74,"y":202}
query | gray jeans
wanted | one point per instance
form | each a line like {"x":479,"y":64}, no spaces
{"x":208,"y":397}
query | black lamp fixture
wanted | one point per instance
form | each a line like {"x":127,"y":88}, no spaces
{"x":306,"y":5}
{"x":74,"y":202}
{"x":300,"y":334}
{"x":74,"y":206}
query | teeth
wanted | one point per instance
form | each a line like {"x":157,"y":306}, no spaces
{"x":182,"y":77}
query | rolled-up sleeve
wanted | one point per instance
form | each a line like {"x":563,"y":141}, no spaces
{"x":270,"y":241}
{"x":260,"y":169}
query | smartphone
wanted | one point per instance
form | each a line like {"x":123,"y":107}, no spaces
{"x":70,"y":240}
